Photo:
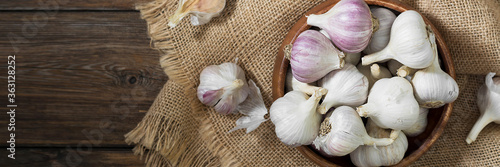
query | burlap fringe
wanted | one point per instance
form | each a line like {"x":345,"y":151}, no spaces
{"x":170,"y":148}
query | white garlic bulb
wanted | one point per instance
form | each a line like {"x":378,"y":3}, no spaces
{"x":346,"y":87}
{"x":202,"y":11}
{"x":379,"y":72}
{"x":420,"y":125}
{"x":343,"y":131}
{"x":380,"y":38}
{"x":391,"y":104}
{"x":292,"y":84}
{"x":410,"y":43}
{"x":253,"y":108}
{"x":223,"y":86}
{"x":393,"y":66}
{"x":488,"y":100}
{"x":295,"y":118}
{"x":434,"y":87}
{"x":380,"y":155}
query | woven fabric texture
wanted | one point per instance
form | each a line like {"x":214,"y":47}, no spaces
{"x":180,"y":131}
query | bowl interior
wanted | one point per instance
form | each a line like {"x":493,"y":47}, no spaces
{"x":437,"y":118}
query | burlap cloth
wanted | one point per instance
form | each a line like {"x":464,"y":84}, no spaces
{"x":180,"y":131}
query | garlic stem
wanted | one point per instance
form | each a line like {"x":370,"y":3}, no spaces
{"x":483,"y":120}
{"x":404,"y":71}
{"x":376,"y":57}
{"x":363,"y":110}
{"x":380,"y":72}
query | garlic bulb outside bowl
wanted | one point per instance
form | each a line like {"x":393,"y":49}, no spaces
{"x":437,"y":120}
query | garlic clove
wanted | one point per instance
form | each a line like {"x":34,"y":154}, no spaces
{"x":254,"y":109}
{"x":293,"y":84}
{"x":379,"y":72}
{"x":348,"y":24}
{"x":202,"y":11}
{"x":380,"y":38}
{"x":343,"y":131}
{"x":223,"y":87}
{"x":295,"y":118}
{"x":380,"y":155}
{"x":488,"y":97}
{"x":410,"y":43}
{"x":391,"y":104}
{"x":346,"y":87}
{"x":313,"y":56}
{"x":420,"y":125}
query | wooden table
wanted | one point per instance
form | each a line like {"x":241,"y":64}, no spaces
{"x":85,"y":76}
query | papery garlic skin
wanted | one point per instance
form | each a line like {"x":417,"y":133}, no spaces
{"x":420,"y":125}
{"x":433,"y":87}
{"x":313,"y":56}
{"x":253,"y":108}
{"x":391,"y":104}
{"x":343,"y":131}
{"x":348,"y":24}
{"x":380,"y":155}
{"x":295,"y":118}
{"x":223,"y":87}
{"x":352,"y":58}
{"x":202,"y":11}
{"x":488,"y":101}
{"x":346,"y":87}
{"x":380,"y":38}
{"x":292,"y":84}
{"x":410,"y":43}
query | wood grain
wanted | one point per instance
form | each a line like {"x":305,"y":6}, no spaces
{"x":55,"y":5}
{"x":417,"y":145}
{"x":59,"y":157}
{"x":78,"y":74}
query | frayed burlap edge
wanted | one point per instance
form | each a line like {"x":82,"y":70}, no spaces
{"x":178,"y":151}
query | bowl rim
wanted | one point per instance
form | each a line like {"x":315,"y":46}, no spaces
{"x":281,"y":66}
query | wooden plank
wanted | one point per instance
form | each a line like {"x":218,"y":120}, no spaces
{"x":59,"y":157}
{"x":80,"y":70}
{"x":56,"y":5}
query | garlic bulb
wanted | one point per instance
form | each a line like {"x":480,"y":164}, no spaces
{"x":379,"y":72}
{"x":346,"y":86}
{"x":293,"y":84}
{"x":434,"y":87}
{"x":393,"y":66}
{"x":202,"y":11}
{"x":488,"y":98}
{"x":222,"y":86}
{"x":343,"y":131}
{"x":380,"y":155}
{"x":313,"y":56}
{"x":391,"y":104}
{"x":410,"y":43}
{"x":348,"y":24}
{"x":380,"y":38}
{"x":420,"y":125}
{"x":254,"y":109}
{"x":295,"y":118}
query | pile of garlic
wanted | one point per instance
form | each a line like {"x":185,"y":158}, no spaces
{"x":398,"y":80}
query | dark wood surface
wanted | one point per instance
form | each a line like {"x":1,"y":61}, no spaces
{"x":85,"y":76}
{"x":436,"y":120}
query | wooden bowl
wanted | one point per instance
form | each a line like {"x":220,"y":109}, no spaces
{"x":437,"y":118}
